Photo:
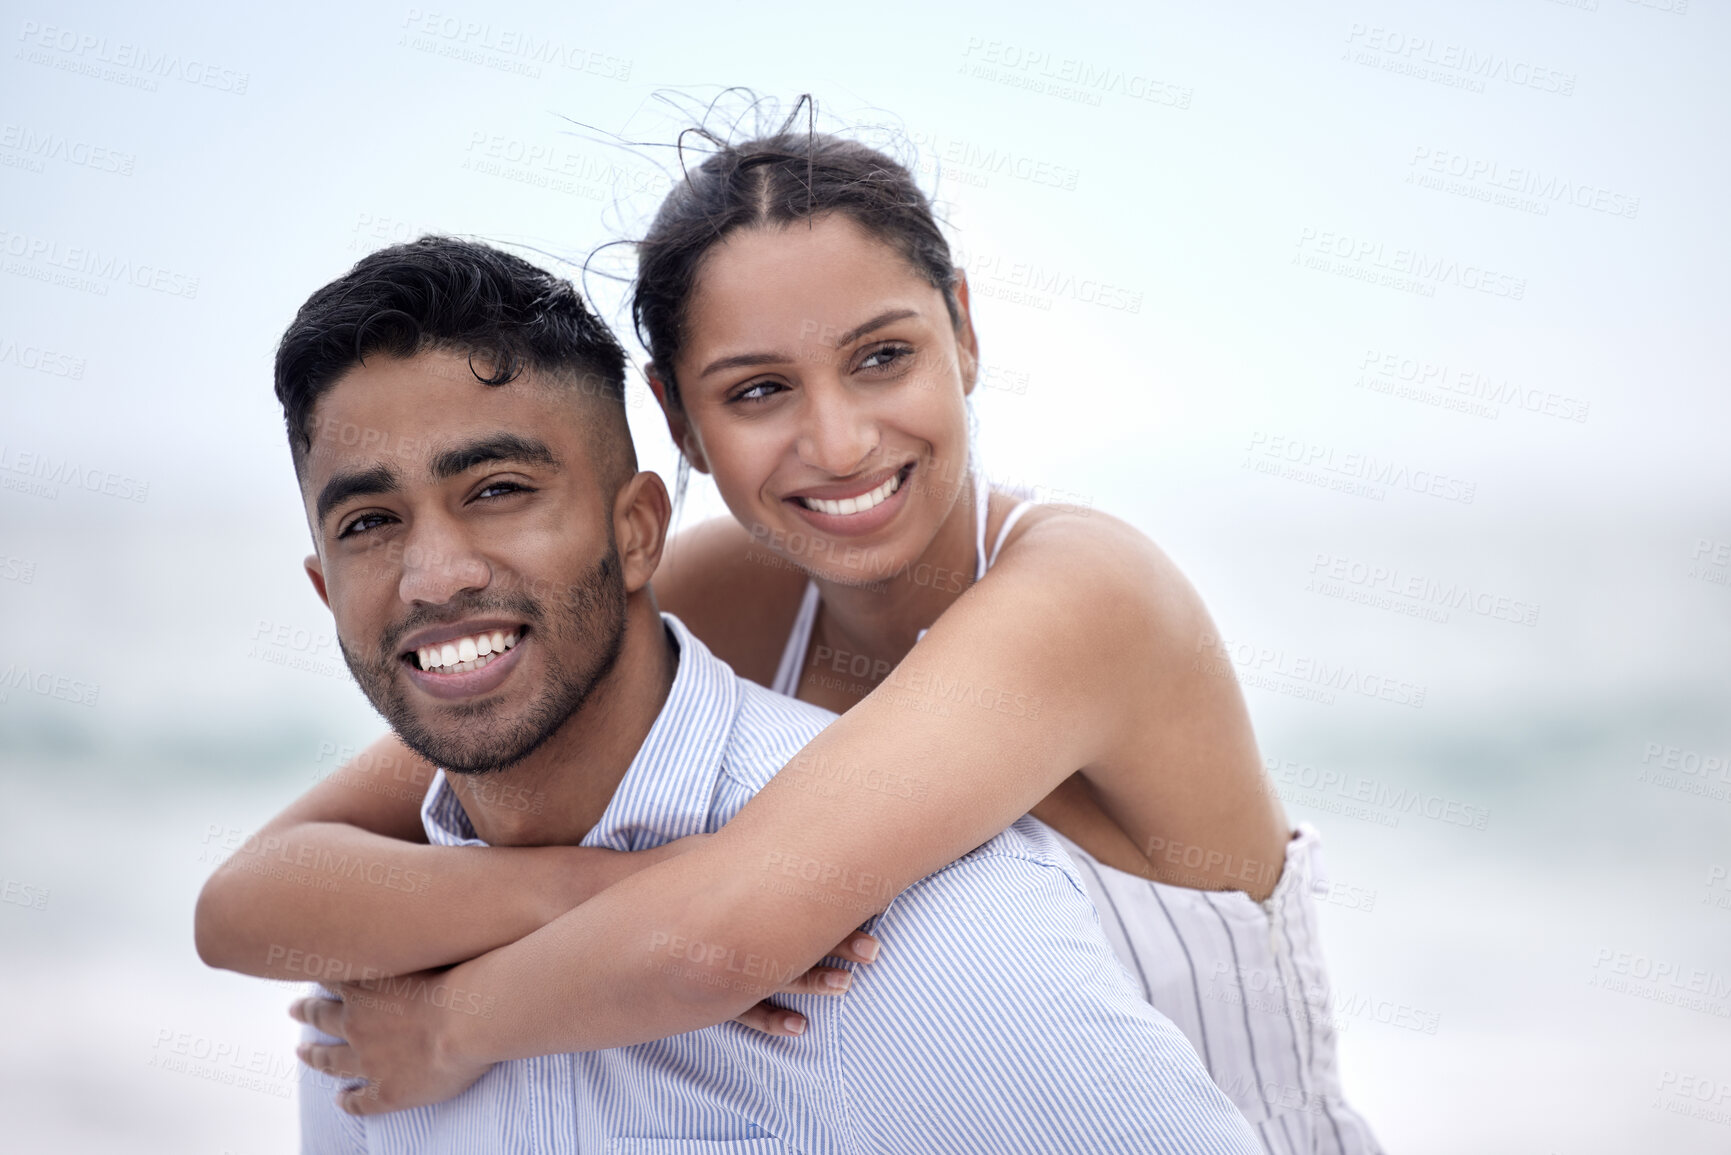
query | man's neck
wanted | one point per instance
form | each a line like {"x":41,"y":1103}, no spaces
{"x":556,"y":795}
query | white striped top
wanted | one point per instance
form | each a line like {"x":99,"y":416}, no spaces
{"x":996,"y":1019}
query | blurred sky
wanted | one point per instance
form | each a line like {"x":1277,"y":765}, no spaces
{"x":1348,"y":307}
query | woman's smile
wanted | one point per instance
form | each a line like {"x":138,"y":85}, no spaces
{"x":855,"y":508}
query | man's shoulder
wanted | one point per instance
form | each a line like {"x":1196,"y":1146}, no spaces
{"x":993,"y":874}
{"x":768,"y":732}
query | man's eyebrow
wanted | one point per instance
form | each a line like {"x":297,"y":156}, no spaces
{"x":357,"y":483}
{"x":456,"y":461}
{"x":743,"y":360}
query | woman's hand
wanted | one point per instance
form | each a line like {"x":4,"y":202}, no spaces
{"x":396,"y":1036}
{"x":858,"y":947}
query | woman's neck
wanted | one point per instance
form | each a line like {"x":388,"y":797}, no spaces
{"x":882,"y":621}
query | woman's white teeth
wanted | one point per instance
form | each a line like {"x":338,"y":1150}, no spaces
{"x":465,"y":654}
{"x":852,"y":505}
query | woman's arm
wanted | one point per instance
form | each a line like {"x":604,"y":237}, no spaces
{"x":1052,"y":664}
{"x":342,"y":885}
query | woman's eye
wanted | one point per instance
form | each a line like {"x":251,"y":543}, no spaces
{"x":757,"y":391}
{"x":883,"y":358}
{"x":362,"y":524}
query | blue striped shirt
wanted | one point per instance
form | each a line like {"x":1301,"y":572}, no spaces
{"x":997,"y":1018}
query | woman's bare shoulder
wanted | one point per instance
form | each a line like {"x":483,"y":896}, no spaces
{"x":1116,"y":574}
{"x":736,"y":596}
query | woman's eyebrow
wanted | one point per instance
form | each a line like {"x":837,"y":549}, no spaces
{"x":743,"y":360}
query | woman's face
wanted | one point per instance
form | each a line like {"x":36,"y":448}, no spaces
{"x":824,"y":387}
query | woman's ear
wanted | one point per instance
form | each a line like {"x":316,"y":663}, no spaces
{"x":677,"y":425}
{"x":967,"y":345}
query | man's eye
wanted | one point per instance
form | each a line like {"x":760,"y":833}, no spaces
{"x":503,"y":488}
{"x":361,"y":524}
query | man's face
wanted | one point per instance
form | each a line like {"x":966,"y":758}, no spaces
{"x":466,"y":550}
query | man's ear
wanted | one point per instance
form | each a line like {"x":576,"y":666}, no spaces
{"x":677,"y":425}
{"x":316,"y":574}
{"x":967,"y":345}
{"x":641,"y":514}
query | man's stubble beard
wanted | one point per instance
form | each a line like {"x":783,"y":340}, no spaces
{"x":590,"y":622}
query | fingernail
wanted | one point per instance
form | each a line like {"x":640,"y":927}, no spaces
{"x":866,"y":948}
{"x":837,"y":980}
{"x":793,"y":1024}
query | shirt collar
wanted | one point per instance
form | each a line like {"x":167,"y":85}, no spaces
{"x":668,"y":790}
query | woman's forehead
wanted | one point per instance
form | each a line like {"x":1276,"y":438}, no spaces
{"x":786,"y":279}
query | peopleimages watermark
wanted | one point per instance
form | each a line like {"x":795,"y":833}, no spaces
{"x":21,"y":678}
{"x":1462,"y":389}
{"x":1065,"y":77}
{"x":377,"y":230}
{"x":121,"y":61}
{"x":1711,"y":561}
{"x":304,"y":863}
{"x":1410,"y":270}
{"x":1037,"y":286}
{"x":24,"y":147}
{"x":1390,"y":588}
{"x":41,"y":474}
{"x":1512,"y":186}
{"x":1450,"y":65}
{"x":87,"y":269}
{"x":40,"y":359}
{"x":297,"y":648}
{"x":1661,"y":980}
{"x":17,"y":569}
{"x":971,"y":163}
{"x":1718,"y":887}
{"x":503,"y":49}
{"x":1262,"y":991}
{"x":1351,"y":473}
{"x":555,"y":169}
{"x":1367,"y":799}
{"x":1694,"y":1096}
{"x":22,"y":894}
{"x":1686,"y":771}
{"x":267,"y":1070}
{"x":1300,"y":676}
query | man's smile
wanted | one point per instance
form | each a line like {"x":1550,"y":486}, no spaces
{"x":463,"y":659}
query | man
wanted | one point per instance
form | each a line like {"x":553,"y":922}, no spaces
{"x":485,"y":544}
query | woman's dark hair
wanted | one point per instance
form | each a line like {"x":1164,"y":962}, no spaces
{"x":447,"y":294}
{"x":771,"y":181}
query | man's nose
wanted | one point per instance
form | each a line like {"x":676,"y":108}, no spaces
{"x":439,"y":562}
{"x":840,"y":434}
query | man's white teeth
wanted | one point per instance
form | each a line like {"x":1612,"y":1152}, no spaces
{"x":465,"y":654}
{"x":852,"y":505}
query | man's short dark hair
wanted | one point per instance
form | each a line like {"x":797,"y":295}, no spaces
{"x":442,"y":294}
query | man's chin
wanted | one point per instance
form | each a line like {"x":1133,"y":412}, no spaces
{"x":475,"y":749}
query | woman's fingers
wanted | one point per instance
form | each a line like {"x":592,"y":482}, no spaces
{"x":319,"y":1013}
{"x":334,"y":1059}
{"x":772,"y":1020}
{"x":820,"y":981}
{"x":858,"y":947}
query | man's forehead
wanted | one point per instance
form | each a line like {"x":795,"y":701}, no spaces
{"x":405,"y":413}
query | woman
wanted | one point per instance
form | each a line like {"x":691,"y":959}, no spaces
{"x":812,"y":349}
